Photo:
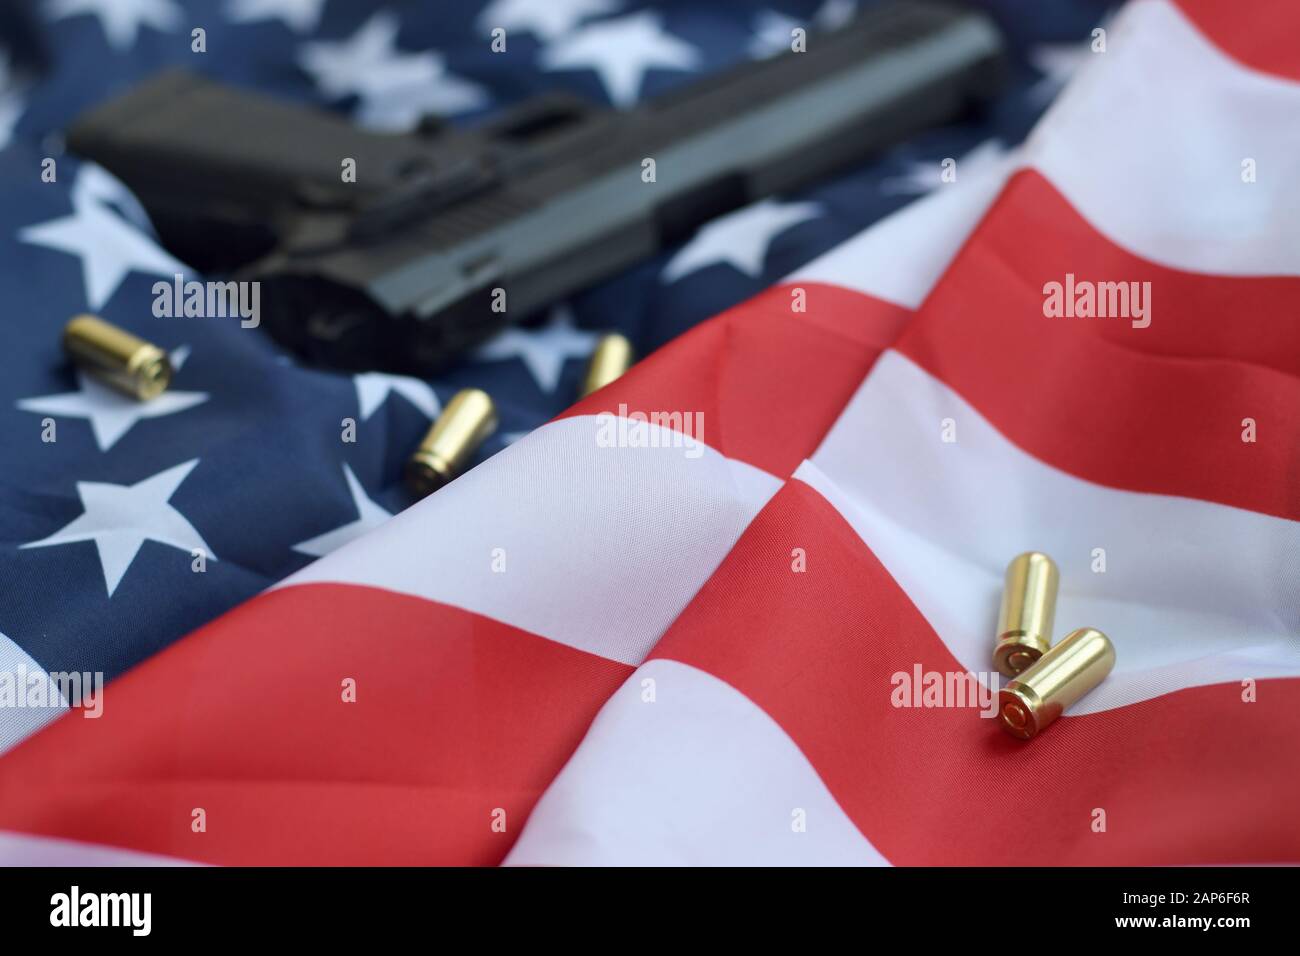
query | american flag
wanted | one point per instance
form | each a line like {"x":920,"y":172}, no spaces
{"x":582,"y":654}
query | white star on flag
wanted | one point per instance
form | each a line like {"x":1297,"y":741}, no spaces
{"x":11,"y":104}
{"x":543,"y":351}
{"x":94,"y":183}
{"x":369,"y":516}
{"x":621,"y":51}
{"x":121,"y":19}
{"x":112,"y":414}
{"x":1057,"y":62}
{"x":107,"y":245}
{"x":395,"y":88}
{"x":344,"y":67}
{"x":833,"y":14}
{"x":373,"y":389}
{"x":925,"y":175}
{"x":740,"y":238}
{"x":547,"y":20}
{"x":774,"y":31}
{"x":773,"y":34}
{"x":120,"y":518}
{"x":11,"y":108}
{"x":435,"y":93}
{"x":300,"y":15}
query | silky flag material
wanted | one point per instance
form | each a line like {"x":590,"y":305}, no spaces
{"x":655,"y":650}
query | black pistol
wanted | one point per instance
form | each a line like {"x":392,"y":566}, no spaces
{"x":404,"y":268}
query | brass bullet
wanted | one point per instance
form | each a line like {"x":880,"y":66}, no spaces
{"x":610,"y":359}
{"x":1060,"y":677}
{"x":1028,"y":610}
{"x":117,"y":357}
{"x":467,"y":420}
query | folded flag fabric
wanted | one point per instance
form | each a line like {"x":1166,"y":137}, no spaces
{"x":666,"y":626}
{"x":107,"y":503}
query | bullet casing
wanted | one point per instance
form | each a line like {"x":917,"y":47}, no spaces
{"x":1027,"y":614}
{"x":1060,"y":677}
{"x":469,"y":418}
{"x":611,"y":358}
{"x":115,"y":356}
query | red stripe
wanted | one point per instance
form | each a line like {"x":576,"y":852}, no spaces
{"x":1262,"y":34}
{"x":769,"y":381}
{"x":456,"y":715}
{"x":1192,"y":777}
{"x":1157,"y":409}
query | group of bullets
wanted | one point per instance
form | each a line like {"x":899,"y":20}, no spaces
{"x":470,"y":417}
{"x":1045,"y":679}
{"x":143,"y":371}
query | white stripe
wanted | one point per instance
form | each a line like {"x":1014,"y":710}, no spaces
{"x":18,"y":668}
{"x":1193,"y":593}
{"x":25,"y":849}
{"x":901,"y":257}
{"x":603,"y":546}
{"x":1147,"y":143}
{"x":700,"y":777}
